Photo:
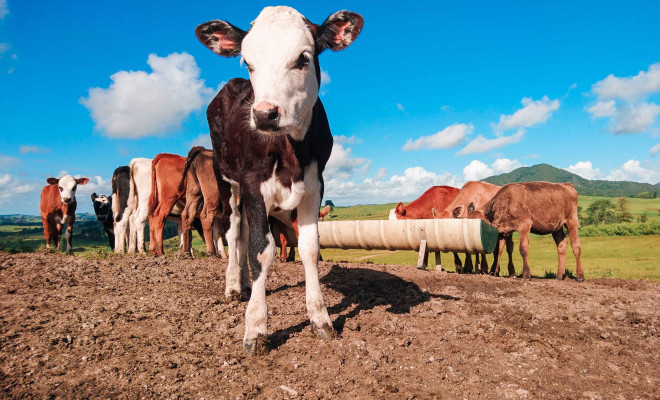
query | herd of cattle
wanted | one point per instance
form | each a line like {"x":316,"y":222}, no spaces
{"x":271,"y":141}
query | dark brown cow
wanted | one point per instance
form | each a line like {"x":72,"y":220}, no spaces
{"x":479,"y":194}
{"x":58,"y":207}
{"x":271,"y":142}
{"x":202,"y":201}
{"x":540,"y":208}
{"x":428,"y":206}
{"x":166,"y":199}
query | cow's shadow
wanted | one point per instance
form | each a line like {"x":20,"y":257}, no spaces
{"x":365,"y":288}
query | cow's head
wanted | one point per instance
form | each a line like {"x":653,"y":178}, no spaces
{"x":281,"y":53}
{"x":399,"y":211}
{"x":67,"y":186}
{"x":102,"y":207}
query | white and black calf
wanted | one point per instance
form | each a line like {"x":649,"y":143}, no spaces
{"x":103,"y":210}
{"x":271,"y":141}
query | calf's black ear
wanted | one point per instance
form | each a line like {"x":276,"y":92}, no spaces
{"x":94,"y":196}
{"x":221,"y":37}
{"x":52,"y":181}
{"x":338,"y":31}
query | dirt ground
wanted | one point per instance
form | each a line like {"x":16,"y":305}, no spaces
{"x":140,"y":327}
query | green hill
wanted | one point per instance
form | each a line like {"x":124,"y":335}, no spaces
{"x":545,"y":172}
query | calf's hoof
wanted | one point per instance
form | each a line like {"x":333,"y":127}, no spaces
{"x":580,"y":279}
{"x":324,"y":331}
{"x":233,"y":296}
{"x":527,"y":276}
{"x":257,"y":346}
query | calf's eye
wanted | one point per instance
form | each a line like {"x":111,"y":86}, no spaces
{"x":60,"y":187}
{"x":302,"y":61}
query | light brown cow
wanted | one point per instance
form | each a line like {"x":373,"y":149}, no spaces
{"x":202,"y":201}
{"x":166,"y":199}
{"x":540,"y":208}
{"x":58,"y":206}
{"x":288,"y":235}
{"x":479,"y":194}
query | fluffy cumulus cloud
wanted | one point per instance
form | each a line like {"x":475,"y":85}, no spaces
{"x":449,"y":137}
{"x":584,"y":169}
{"x":481,"y":145}
{"x":532,"y":113}
{"x":342,"y":165}
{"x":634,"y":170}
{"x":140,"y":103}
{"x":477,"y":170}
{"x":406,"y":187}
{"x":96,"y":185}
{"x":11,"y":188}
{"x":624,"y":100}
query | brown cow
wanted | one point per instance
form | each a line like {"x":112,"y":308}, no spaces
{"x":202,"y":201}
{"x":288,"y":235}
{"x":428,"y":206}
{"x":540,"y":208}
{"x":478,"y":194}
{"x":166,"y":199}
{"x":58,"y":206}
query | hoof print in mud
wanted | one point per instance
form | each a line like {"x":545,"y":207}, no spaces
{"x":325,"y":331}
{"x":257,"y":347}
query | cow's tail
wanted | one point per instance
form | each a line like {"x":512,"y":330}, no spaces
{"x":191,"y":157}
{"x":153,"y":200}
{"x":116,"y":188}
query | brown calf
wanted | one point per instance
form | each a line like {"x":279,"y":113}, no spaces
{"x":166,"y":199}
{"x":202,"y":201}
{"x":540,"y":208}
{"x":58,"y":206}
{"x":474,"y":195}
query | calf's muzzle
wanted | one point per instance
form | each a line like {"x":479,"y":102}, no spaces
{"x":266,"y":116}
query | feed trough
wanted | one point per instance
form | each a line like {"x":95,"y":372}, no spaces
{"x":423,"y":235}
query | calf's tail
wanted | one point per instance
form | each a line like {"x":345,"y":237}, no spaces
{"x":191,"y":157}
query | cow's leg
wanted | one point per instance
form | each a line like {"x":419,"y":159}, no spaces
{"x":261,"y":254}
{"x":140,"y":225}
{"x":458,"y":264}
{"x":509,"y":250}
{"x":69,"y":235}
{"x":58,"y":235}
{"x":187,"y":216}
{"x":133,"y":233}
{"x":572,"y":225}
{"x":497,"y":256}
{"x":232,"y":220}
{"x":283,"y":244}
{"x":243,"y":242}
{"x":217,"y":238}
{"x":562,"y":243}
{"x":121,"y":227}
{"x":292,"y":254}
{"x":308,"y":247}
{"x":47,"y":230}
{"x":467,"y":269}
{"x":206,"y":218}
{"x":524,"y":251}
{"x":484,"y":264}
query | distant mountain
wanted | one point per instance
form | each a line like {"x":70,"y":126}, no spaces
{"x":545,"y":172}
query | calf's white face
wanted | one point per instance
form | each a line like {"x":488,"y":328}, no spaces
{"x":281,"y":52}
{"x":67,"y":186}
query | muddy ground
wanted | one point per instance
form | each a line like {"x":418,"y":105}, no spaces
{"x":139,"y":327}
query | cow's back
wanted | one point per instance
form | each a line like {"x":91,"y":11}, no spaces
{"x":430,"y":203}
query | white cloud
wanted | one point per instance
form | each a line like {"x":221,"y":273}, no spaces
{"x":477,"y":170}
{"x":451,"y":136}
{"x":380,"y":173}
{"x":406,"y":187}
{"x":655,"y":150}
{"x":10,"y":188}
{"x":341,"y":139}
{"x":23,"y":149}
{"x":3,"y":8}
{"x":633,"y":170}
{"x":203,"y":140}
{"x":400,"y":107}
{"x":533,"y":112}
{"x":6,"y":161}
{"x":140,"y":103}
{"x":96,"y":184}
{"x":4,"y":47}
{"x":624,"y":101}
{"x":325,"y":77}
{"x":584,"y":169}
{"x":481,"y":145}
{"x":341,"y":165}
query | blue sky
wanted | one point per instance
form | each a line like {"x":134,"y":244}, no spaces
{"x":429,"y":93}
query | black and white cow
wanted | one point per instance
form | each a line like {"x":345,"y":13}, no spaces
{"x":121,"y":183}
{"x":271,"y":141}
{"x":103,"y":211}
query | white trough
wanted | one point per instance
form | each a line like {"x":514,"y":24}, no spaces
{"x":423,"y":235}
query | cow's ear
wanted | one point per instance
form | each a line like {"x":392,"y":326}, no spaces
{"x":52,"y":181}
{"x":338,"y":31}
{"x":324,"y":212}
{"x":399,"y":209}
{"x":82,"y":181}
{"x":471,"y":208}
{"x":458,"y":212}
{"x":221,"y":37}
{"x":94,"y":196}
